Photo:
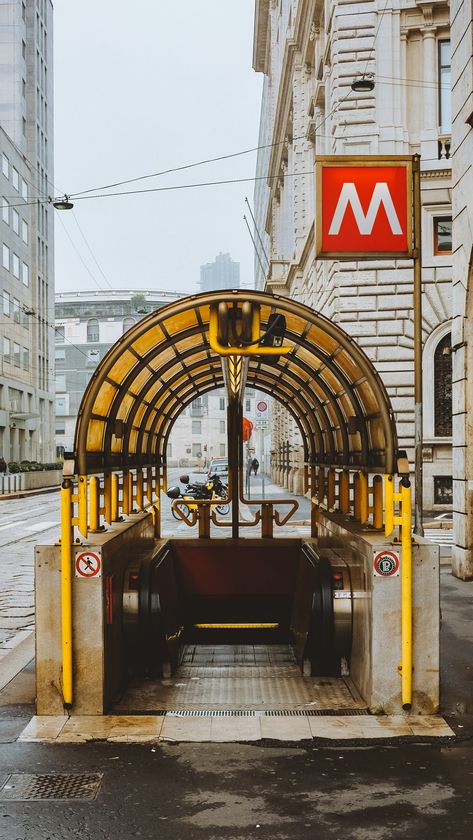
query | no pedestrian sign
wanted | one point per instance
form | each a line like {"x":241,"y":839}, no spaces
{"x":386,"y":563}
{"x":88,"y":565}
{"x":262,"y":406}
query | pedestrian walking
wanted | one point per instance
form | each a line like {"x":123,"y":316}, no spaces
{"x":3,"y":465}
{"x":254,"y":465}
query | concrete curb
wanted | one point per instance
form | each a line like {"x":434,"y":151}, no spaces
{"x":21,"y":652}
{"x":39,"y":491}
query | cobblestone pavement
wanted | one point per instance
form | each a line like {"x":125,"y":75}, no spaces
{"x":35,"y":520}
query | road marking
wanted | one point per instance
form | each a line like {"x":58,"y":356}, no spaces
{"x":41,"y":526}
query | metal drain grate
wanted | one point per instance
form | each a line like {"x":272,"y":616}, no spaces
{"x":23,"y":787}
{"x":265,"y":712}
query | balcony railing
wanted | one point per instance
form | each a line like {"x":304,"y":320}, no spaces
{"x":445,"y":141}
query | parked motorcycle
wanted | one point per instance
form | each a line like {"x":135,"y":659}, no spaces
{"x":213,"y":488}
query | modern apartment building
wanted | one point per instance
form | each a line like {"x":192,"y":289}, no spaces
{"x":311,"y":53}
{"x":223,"y":273}
{"x":26,"y":231}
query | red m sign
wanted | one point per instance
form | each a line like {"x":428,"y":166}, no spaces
{"x":364,"y":207}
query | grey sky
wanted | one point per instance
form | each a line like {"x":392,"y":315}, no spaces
{"x":141,"y":87}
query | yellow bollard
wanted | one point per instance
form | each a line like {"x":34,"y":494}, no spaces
{"x":389,"y":505}
{"x":363,"y":492}
{"x":139,"y":488}
{"x":356,"y":496}
{"x":156,"y":512}
{"x":82,"y":505}
{"x":321,"y":485}
{"x":107,"y":498}
{"x":344,"y":491}
{"x":331,"y":489}
{"x":126,"y":492}
{"x":406,"y":594}
{"x":114,"y":498}
{"x":94,"y":499}
{"x":67,"y":539}
{"x":149,"y":485}
{"x":378,"y":501}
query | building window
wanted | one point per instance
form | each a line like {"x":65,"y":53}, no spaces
{"x":15,"y":179}
{"x":15,"y":221}
{"x":16,"y":266}
{"x":24,"y":189}
{"x":26,"y":358}
{"x":16,"y":354}
{"x":196,"y":450}
{"x":60,"y":383}
{"x":128,"y":323}
{"x":443,"y":387}
{"x":16,"y":310}
{"x":60,"y":333}
{"x":169,"y":450}
{"x":24,"y":231}
{"x":443,"y":490}
{"x":442,"y":235}
{"x":222,"y":427}
{"x":5,"y":211}
{"x":93,"y":357}
{"x":6,"y":257}
{"x":6,"y":351}
{"x":61,"y":406}
{"x":445,"y":88}
{"x":5,"y":166}
{"x":23,"y":49}
{"x":25,"y":274}
{"x":6,"y":303}
{"x":60,"y":427}
{"x":92,"y":329}
{"x":222,"y":404}
{"x":60,"y":356}
{"x":196,"y":427}
{"x":222,"y":450}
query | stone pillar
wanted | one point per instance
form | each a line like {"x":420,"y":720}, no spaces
{"x":429,"y":133}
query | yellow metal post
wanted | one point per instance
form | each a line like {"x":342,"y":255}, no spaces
{"x":331,"y":489}
{"x":67,"y":539}
{"x":321,"y":485}
{"x":139,"y":488}
{"x":363,"y":490}
{"x":94,"y":499}
{"x":378,"y":501}
{"x":344,"y":491}
{"x":114,"y":498}
{"x":156,"y":511}
{"x":126,"y":492}
{"x":107,"y":498}
{"x":389,"y":505}
{"x":82,"y":505}
{"x":356,"y":496}
{"x":406,"y":594}
{"x":149,"y":485}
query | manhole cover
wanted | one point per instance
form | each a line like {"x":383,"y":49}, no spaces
{"x":20,"y":787}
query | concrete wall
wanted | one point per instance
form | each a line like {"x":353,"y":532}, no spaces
{"x":98,"y":654}
{"x":15,"y":482}
{"x":376,"y":648}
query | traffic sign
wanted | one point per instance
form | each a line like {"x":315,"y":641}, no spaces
{"x":364,"y":206}
{"x":262,"y":406}
{"x":386,"y":563}
{"x":88,"y":565}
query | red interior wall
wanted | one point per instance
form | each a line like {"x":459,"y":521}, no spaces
{"x":236,"y":569}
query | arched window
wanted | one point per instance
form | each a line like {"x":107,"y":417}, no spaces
{"x":92,"y":329}
{"x":443,"y":387}
{"x":127,"y":323}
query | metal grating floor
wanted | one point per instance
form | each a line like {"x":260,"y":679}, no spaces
{"x":256,"y":678}
{"x":24,"y":787}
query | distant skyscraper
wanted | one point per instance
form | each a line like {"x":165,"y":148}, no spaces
{"x":224,"y":273}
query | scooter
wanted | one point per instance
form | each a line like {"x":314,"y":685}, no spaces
{"x":211,"y":489}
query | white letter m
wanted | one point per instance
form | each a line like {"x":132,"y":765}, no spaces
{"x":349,"y":195}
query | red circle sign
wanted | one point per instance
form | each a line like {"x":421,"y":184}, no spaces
{"x":88,"y":564}
{"x":386,"y":563}
{"x":262,"y":406}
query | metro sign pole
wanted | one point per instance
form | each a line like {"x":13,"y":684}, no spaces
{"x":368,"y":207}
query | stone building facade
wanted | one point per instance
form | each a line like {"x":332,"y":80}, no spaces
{"x":310,"y":53}
{"x":26,"y":231}
{"x":462,"y":328}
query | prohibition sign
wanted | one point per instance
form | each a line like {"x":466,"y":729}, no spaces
{"x":262,"y":406}
{"x":88,"y":565}
{"x":386,"y":563}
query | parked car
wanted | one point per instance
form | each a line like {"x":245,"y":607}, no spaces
{"x":219,"y":466}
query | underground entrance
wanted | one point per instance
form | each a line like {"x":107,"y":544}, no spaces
{"x":209,"y":621}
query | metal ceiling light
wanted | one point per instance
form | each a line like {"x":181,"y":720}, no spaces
{"x":364,"y":84}
{"x":63,"y":203}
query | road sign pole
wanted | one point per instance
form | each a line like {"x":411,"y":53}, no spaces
{"x":417,"y":295}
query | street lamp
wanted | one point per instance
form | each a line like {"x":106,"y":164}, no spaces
{"x":62,"y":203}
{"x":364,"y":84}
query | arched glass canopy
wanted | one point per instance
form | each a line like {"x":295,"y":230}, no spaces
{"x":165,"y":361}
